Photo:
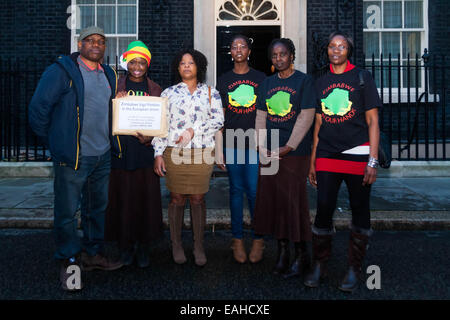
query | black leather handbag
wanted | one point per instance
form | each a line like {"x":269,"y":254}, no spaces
{"x":384,"y":151}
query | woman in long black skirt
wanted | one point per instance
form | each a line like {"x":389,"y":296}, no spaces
{"x":134,"y":212}
{"x":286,"y":107}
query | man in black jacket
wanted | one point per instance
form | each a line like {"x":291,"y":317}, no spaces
{"x":71,"y":112}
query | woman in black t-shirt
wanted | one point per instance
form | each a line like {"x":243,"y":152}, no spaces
{"x":285,"y":108}
{"x":239,"y":90}
{"x":345,"y":148}
{"x":134,"y":212}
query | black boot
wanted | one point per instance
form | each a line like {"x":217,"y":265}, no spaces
{"x":283,"y":257}
{"x":302,"y":260}
{"x":142,"y":255}
{"x":127,"y":255}
{"x":356,"y":252}
{"x":321,"y":253}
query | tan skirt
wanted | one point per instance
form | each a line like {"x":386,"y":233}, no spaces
{"x":188,"y":170}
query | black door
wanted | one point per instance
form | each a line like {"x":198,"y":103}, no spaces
{"x":261,"y":35}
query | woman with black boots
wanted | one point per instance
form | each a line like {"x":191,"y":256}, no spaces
{"x":345,"y":148}
{"x":285,"y":108}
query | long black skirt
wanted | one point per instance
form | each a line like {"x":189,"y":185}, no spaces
{"x":282,"y":208}
{"x":134,"y":212}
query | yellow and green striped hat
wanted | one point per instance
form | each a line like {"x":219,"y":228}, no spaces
{"x":136,"y":49}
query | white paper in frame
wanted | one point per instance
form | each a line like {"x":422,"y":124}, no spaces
{"x":143,"y":114}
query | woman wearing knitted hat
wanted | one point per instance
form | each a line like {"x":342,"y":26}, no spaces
{"x":134,"y":213}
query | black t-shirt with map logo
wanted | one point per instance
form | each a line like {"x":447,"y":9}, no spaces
{"x":283,"y":100}
{"x":239,"y":94}
{"x":342,"y":103}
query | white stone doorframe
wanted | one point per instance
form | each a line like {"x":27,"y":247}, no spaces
{"x":293,"y":27}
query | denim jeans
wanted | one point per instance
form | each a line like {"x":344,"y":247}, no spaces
{"x":242,"y":167}
{"x":88,"y":185}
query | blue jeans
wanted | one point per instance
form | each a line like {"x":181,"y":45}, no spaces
{"x":88,"y":184}
{"x":242,"y":167}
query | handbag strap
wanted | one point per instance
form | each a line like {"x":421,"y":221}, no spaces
{"x":209,"y":95}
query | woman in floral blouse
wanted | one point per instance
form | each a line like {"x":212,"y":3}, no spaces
{"x":186,"y":157}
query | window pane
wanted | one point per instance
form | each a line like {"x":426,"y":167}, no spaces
{"x":111,"y":50}
{"x":264,"y":8}
{"x":390,"y":44}
{"x":87,"y":17}
{"x":85,"y":2}
{"x":413,"y":14}
{"x":372,"y":14}
{"x":392,"y":14}
{"x":126,"y":2}
{"x":271,"y":15}
{"x":394,"y":81}
{"x":232,"y":8}
{"x":126,"y":19}
{"x":106,"y":19}
{"x":124,"y":42}
{"x":411,"y":44}
{"x":226,"y":16}
{"x":371,"y":44}
{"x":106,"y":1}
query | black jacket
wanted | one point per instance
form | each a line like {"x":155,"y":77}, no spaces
{"x":57,"y":108}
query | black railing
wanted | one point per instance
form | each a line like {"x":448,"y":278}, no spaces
{"x":18,"y":80}
{"x":414,"y":116}
{"x":415,"y":109}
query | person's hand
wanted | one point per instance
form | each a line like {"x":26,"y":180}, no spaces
{"x":220,"y":161}
{"x":281,"y":152}
{"x":159,"y":166}
{"x":185,"y":137}
{"x":312,"y":175}
{"x":265,"y":156}
{"x":145,"y":140}
{"x":121,"y":94}
{"x":370,"y":176}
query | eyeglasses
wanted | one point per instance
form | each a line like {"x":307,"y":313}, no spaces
{"x":340,"y":48}
{"x":91,"y":42}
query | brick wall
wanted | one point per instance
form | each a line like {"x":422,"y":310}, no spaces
{"x":322,"y":20}
{"x":439,"y":45}
{"x":166,"y":27}
{"x":439,"y":30}
{"x":34,"y":28}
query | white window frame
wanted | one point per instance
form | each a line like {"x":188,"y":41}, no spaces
{"x":424,"y":31}
{"x":74,"y":35}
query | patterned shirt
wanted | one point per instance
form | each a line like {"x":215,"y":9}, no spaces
{"x":194,"y":111}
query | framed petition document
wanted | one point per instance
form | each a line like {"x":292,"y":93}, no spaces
{"x":143,"y":114}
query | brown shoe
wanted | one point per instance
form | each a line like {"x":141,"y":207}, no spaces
{"x":99,"y":262}
{"x":239,"y":254}
{"x":256,"y":253}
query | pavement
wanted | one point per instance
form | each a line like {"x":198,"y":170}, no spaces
{"x":408,"y":196}
{"x":413,"y":265}
{"x":410,"y":212}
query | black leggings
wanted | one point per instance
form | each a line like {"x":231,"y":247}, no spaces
{"x":328,"y":184}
